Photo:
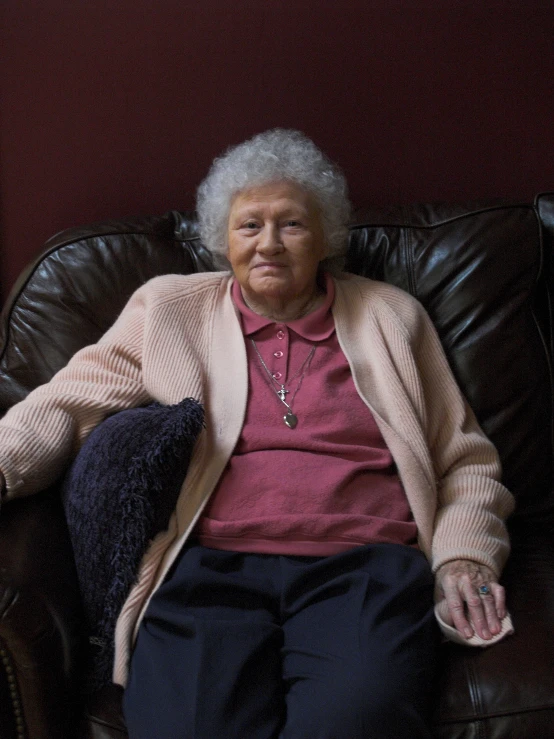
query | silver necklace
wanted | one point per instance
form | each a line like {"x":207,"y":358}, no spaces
{"x":290,"y":419}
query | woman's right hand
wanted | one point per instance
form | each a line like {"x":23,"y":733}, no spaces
{"x":469,"y":608}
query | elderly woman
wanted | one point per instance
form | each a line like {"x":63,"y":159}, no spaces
{"x":292,"y":592}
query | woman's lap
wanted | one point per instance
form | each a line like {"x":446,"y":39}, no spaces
{"x":259,"y":646}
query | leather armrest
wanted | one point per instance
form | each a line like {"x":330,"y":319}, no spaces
{"x":104,"y":715}
{"x":40,"y":617}
{"x":507,"y":689}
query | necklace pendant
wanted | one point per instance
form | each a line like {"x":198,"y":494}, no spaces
{"x":290,"y":420}
{"x":282,"y":393}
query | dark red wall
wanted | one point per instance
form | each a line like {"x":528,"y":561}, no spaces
{"x":116,"y":107}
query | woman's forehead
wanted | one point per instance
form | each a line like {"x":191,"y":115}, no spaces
{"x":286,"y":196}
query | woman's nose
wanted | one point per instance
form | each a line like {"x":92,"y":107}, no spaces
{"x":270,"y":239}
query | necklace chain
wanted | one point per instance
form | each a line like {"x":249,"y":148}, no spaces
{"x":290,"y":418}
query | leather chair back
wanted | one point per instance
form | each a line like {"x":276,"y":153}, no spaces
{"x":483,"y":272}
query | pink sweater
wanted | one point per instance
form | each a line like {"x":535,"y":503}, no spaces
{"x":324,"y":487}
{"x":172,"y":341}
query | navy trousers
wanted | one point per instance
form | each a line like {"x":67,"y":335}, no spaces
{"x":255,"y":646}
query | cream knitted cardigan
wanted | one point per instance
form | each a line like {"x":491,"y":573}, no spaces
{"x":179,"y":336}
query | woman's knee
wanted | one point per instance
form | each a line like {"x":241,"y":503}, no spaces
{"x":352,"y":709}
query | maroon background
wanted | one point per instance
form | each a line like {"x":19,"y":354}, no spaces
{"x":116,"y":107}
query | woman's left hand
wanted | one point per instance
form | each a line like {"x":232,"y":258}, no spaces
{"x":476,"y":602}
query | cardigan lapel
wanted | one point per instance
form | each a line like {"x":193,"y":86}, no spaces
{"x":360,"y":337}
{"x":225,"y":398}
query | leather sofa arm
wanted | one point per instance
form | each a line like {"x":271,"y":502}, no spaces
{"x":507,"y":689}
{"x":41,"y":635}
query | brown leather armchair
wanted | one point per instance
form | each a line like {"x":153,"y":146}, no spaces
{"x":484,"y":273}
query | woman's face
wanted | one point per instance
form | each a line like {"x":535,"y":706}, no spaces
{"x":275,"y":243}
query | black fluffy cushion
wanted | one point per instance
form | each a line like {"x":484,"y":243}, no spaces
{"x":118,"y":494}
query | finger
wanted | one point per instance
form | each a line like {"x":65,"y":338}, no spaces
{"x":456,"y":608}
{"x":495,"y":603}
{"x":476,"y":609}
{"x":489,"y":606}
{"x":499,"y":594}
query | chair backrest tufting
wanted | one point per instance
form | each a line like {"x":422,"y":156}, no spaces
{"x":482,"y":270}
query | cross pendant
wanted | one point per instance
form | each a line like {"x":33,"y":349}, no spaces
{"x":282,"y":392}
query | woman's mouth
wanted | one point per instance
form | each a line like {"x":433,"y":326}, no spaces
{"x":268,"y":265}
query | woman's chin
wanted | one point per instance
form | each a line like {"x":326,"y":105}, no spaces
{"x":271,"y":287}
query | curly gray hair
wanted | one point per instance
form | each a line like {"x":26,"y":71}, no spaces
{"x":272,"y":156}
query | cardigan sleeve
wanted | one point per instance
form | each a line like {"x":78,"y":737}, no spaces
{"x":472,"y":504}
{"x":39,"y":435}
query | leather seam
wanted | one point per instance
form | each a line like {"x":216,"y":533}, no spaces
{"x":493,"y":715}
{"x":541,"y":275}
{"x":407,"y":248}
{"x":475,"y":697}
{"x":437,"y":224}
{"x":13,"y":689}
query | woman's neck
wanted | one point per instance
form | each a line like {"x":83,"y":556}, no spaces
{"x":285,"y":310}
